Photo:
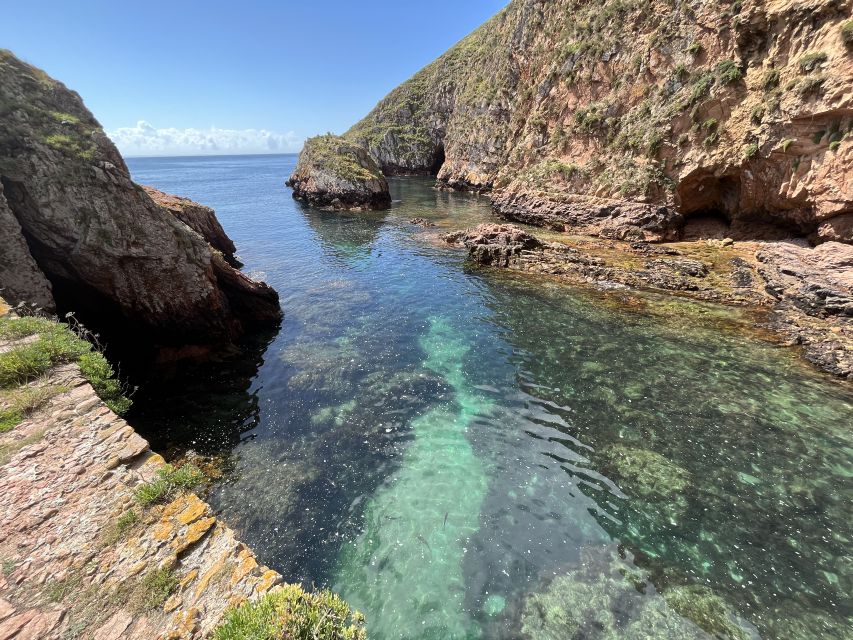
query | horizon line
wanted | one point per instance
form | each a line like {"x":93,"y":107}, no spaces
{"x":208,"y":155}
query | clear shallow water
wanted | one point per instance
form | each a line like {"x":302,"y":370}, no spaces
{"x":476,"y":454}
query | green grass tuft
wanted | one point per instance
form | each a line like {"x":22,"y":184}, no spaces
{"x":728,"y":72}
{"x":154,"y":589}
{"x":811,"y":61}
{"x":847,"y":33}
{"x":293,"y":614}
{"x":120,"y":526}
{"x":55,"y":344}
{"x":168,"y":483}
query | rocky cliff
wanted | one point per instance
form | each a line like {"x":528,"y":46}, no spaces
{"x":334,"y":173}
{"x":79,"y":235}
{"x":634,"y":118}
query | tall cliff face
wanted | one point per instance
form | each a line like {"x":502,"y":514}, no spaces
{"x":630,"y":117}
{"x":104,"y":246}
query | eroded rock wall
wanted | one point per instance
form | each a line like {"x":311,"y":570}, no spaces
{"x":741,"y":111}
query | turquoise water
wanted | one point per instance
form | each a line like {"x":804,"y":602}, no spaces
{"x":466,"y":453}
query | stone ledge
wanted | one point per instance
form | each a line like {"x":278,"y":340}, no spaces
{"x":62,"y":494}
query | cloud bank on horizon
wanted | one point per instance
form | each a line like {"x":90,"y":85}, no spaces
{"x":147,"y":140}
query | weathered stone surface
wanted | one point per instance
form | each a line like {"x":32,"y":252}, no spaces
{"x":817,"y":280}
{"x":200,"y":219}
{"x":334,"y":173}
{"x":101,"y":241}
{"x":814,"y":290}
{"x":618,"y":219}
{"x":20,"y":278}
{"x":62,"y":495}
{"x":494,"y":244}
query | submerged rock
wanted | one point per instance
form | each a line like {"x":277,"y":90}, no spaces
{"x":607,"y":597}
{"x":646,"y":473}
{"x":107,"y":249}
{"x":334,"y":173}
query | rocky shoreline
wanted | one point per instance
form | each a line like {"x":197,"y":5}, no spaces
{"x":807,"y":292}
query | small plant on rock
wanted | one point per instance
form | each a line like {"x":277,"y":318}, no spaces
{"x":289,"y":613}
{"x":812,"y":61}
{"x":750,"y":150}
{"x":728,"y":72}
{"x":847,"y":34}
{"x":771,"y":79}
{"x":168,"y":483}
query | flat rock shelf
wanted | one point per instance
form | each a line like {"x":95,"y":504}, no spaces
{"x":68,"y":567}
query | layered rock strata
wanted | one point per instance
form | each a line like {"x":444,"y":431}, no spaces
{"x":69,"y":473}
{"x":334,"y":173}
{"x":106,"y":248}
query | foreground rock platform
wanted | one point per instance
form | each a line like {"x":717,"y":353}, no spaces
{"x":68,"y":475}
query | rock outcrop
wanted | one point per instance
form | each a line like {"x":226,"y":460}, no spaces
{"x":494,"y":244}
{"x":200,"y":219}
{"x":106,"y":248}
{"x":334,"y":173}
{"x":628,"y":119}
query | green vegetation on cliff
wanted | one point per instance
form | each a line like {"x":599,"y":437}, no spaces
{"x":67,"y":133}
{"x":607,"y":100}
{"x":339,"y":156}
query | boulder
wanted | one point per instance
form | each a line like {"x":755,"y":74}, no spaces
{"x":334,"y":173}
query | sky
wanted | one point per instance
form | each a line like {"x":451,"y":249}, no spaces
{"x":185,"y":77}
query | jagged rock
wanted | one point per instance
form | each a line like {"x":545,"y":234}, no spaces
{"x":494,"y":244}
{"x":200,"y":219}
{"x":334,"y":173}
{"x":814,"y":287}
{"x":108,"y":250}
{"x":817,"y":280}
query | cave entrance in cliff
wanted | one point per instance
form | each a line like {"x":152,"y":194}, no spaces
{"x":438,"y":160}
{"x":708,"y":203}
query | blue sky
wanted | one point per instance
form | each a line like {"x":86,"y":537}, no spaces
{"x":179,"y":77}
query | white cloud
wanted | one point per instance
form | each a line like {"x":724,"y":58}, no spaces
{"x":146,"y":140}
